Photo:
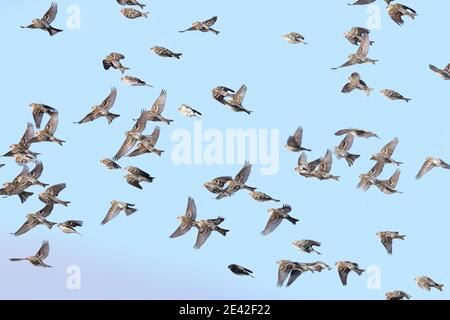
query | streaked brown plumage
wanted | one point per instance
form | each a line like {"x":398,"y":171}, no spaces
{"x":135,"y":176}
{"x":342,"y":150}
{"x":361,"y":133}
{"x":116,"y":208}
{"x":38,"y":111}
{"x":130,"y":3}
{"x":306,"y":168}
{"x":131,"y":13}
{"x":443,"y":73}
{"x":110,"y":164}
{"x":147,"y":144}
{"x":386,"y":238}
{"x":240,"y":270}
{"x":154,"y":114}
{"x":113,"y":61}
{"x":164,"y":52}
{"x":294,"y":142}
{"x":203,"y":26}
{"x":261,"y":196}
{"x":396,"y":11}
{"x":386,"y":153}
{"x":431,"y":163}
{"x":388,"y":186}
{"x":69,"y":226}
{"x":355,"y":82}
{"x":322,"y":171}
{"x":354,"y":35}
{"x":344,"y":268}
{"x":205,"y":228}
{"x":38,"y":259}
{"x":132,"y":136}
{"x":47,"y":134}
{"x":397,"y":295}
{"x":20,"y":151}
{"x":102,"y":110}
{"x":276,"y":217}
{"x":45,"y":22}
{"x":186,"y":221}
{"x":360,"y":57}
{"x":369,"y":179}
{"x":51,"y":193}
{"x":239,"y":182}
{"x":393,"y":95}
{"x":306,"y":245}
{"x":427,"y":283}
{"x":35,"y":219}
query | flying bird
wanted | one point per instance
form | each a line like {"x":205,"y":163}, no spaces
{"x":188,"y":111}
{"x":427,"y":283}
{"x":116,"y":208}
{"x":131,"y":13}
{"x":369,"y":179}
{"x":361,"y":2}
{"x":35,"y":219}
{"x":393,"y":95}
{"x":38,"y":259}
{"x":431,"y":163}
{"x":355,"y":82}
{"x":45,"y":22}
{"x":205,"y":228}
{"x":147,"y":144}
{"x":342,"y":150}
{"x":294,"y":142}
{"x":354,"y":35}
{"x":38,"y":110}
{"x":102,"y":110}
{"x":388,"y":186}
{"x":387,"y":152}
{"x":113,"y":61}
{"x":443,"y":73}
{"x":20,"y":151}
{"x":344,"y":268}
{"x":276,"y":217}
{"x":284,"y":269}
{"x":236,"y":100}
{"x":48,"y":133}
{"x":203,"y":26}
{"x":322,"y":171}
{"x":130,"y":3}
{"x":387,"y":237}
{"x":219,"y":93}
{"x":239,"y":182}
{"x":154,"y":114}
{"x":397,"y":295}
{"x":306,"y":168}
{"x":164,"y":52}
{"x":132,"y":136}
{"x":49,"y":196}
{"x":110,"y":164}
{"x":69,"y":226}
{"x":294,"y":38}
{"x":360,"y":57}
{"x":360,"y":133}
{"x":186,"y":221}
{"x":396,"y":11}
{"x":135,"y":176}
{"x":134,"y":82}
{"x":240,"y":270}
{"x":306,"y":245}
{"x":261,"y":196}
{"x":216,"y":186}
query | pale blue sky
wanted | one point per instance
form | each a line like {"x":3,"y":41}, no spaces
{"x":288,"y":86}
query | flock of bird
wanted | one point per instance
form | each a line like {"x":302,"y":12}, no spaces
{"x":136,"y":143}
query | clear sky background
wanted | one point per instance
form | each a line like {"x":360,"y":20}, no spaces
{"x":288,"y":86}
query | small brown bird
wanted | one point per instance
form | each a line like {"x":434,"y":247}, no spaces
{"x":261,"y":196}
{"x":322,"y":171}
{"x":284,"y":269}
{"x":297,"y":270}
{"x":135,"y":176}
{"x":354,"y":35}
{"x":69,"y":226}
{"x":294,"y":38}
{"x":239,"y":182}
{"x":20,"y":151}
{"x":386,"y":238}
{"x":342,"y":150}
{"x":47,"y":134}
{"x":110,"y":164}
{"x":220,"y":93}
{"x":166,"y":53}
{"x":427,"y":283}
{"x":154,"y":114}
{"x":276,"y":217}
{"x":431,"y":163}
{"x":147,"y":145}
{"x":134,"y":82}
{"x":237,"y":99}
{"x":240,"y":270}
{"x":355,"y":82}
{"x":188,"y":111}
{"x":51,"y":193}
{"x":397,"y":295}
{"x":186,"y":221}
{"x":360,"y":133}
{"x":306,"y":168}
{"x":369,"y":179}
{"x":294,"y":142}
{"x":38,"y":259}
{"x":360,"y":57}
{"x":131,"y":13}
{"x":116,"y":207}
{"x":130,"y":3}
{"x":396,"y":11}
{"x":306,"y":245}
{"x":443,"y":73}
{"x":46,"y":20}
{"x":387,"y":152}
{"x":113,"y":61}
{"x":38,"y":110}
{"x":203,"y":26}
{"x":216,"y":185}
{"x":102,"y":110}
{"x":132,"y":136}
{"x":318,"y":266}
{"x":344,"y":268}
{"x":35,"y":219}
{"x":205,"y":228}
{"x":393,"y":95}
{"x":388,"y":186}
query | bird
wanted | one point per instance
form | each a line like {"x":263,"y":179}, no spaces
{"x":306,"y":245}
{"x":342,"y":150}
{"x":360,"y":57}
{"x":51,"y":193}
{"x":116,"y":208}
{"x":284,"y":269}
{"x":216,"y":185}
{"x":355,"y":82}
{"x":239,"y":182}
{"x":431,"y":163}
{"x":38,"y":111}
{"x":276,"y":217}
{"x":188,"y":111}
{"x":294,"y":38}
{"x":261,"y":196}
{"x":131,"y":13}
{"x":361,"y":2}
{"x":21,"y":151}
{"x":427,"y":283}
{"x":38,"y":259}
{"x":318,"y":266}
{"x":205,"y":228}
{"x":397,"y":295}
{"x":132,"y":136}
{"x":134,"y":82}
{"x":322,"y":171}
{"x":35,"y":219}
{"x":240,"y":270}
{"x":110,"y":164}
{"x":154,"y":114}
{"x":45,"y":22}
{"x":113,"y":61}
{"x":237,"y":98}
{"x":297,"y":270}
{"x":130,"y":3}
{"x":294,"y":142}
{"x":344,"y":268}
{"x":393,"y":95}
{"x":369,"y":179}
{"x":219,"y":93}
{"x":164,"y":52}
{"x":354,"y":35}
{"x":386,"y":153}
{"x":102,"y":110}
{"x":147,"y":145}
{"x":396,"y":11}
{"x":47,"y":134}
{"x":360,"y":133}
{"x":69,"y":226}
{"x":443,"y":73}
{"x":135,"y":176}
{"x":306,"y":168}
{"x":203,"y":26}
{"x":388,"y":186}
{"x":186,"y":221}
{"x":386,"y":238}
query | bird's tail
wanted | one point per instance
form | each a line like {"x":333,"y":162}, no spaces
{"x":292,"y":220}
{"x":401,"y":237}
{"x":52,"y":31}
{"x":359,"y":271}
{"x":111,"y":116}
{"x":158,"y":152}
{"x":123,"y":69}
{"x":439,"y":286}
{"x":276,"y":200}
{"x":64,"y":203}
{"x":130,"y":211}
{"x":177,"y":55}
{"x":369,"y":91}
{"x":407,"y":99}
{"x":215,"y":31}
{"x":142,"y":6}
{"x":49,"y":224}
{"x":350,"y":158}
{"x":316,"y":251}
{"x":24,"y":196}
{"x":17,"y":259}
{"x":222,"y":231}
{"x":167,"y":121}
{"x":249,"y":188}
{"x":145,"y":14}
{"x":58,"y":141}
{"x":44,"y":185}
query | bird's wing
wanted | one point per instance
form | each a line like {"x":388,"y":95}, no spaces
{"x":361,"y":2}
{"x":210,"y":22}
{"x":342,"y":132}
{"x":91,"y":116}
{"x":283,"y":272}
{"x":243,"y":175}
{"x":45,"y":212}
{"x":221,"y":181}
{"x":110,"y":99}
{"x":343,"y":274}
{"x":37,"y":171}
{"x":364,"y":47}
{"x":28,"y":135}
{"x":389,"y":149}
{"x":73,"y":223}
{"x":393,"y":180}
{"x":302,"y":159}
{"x":52,"y":123}
{"x":56,"y":189}
{"x":155,"y":135}
{"x":191,"y":210}
{"x":116,"y":56}
{"x":387,"y":243}
{"x":298,"y":136}
{"x":295,"y":273}
{"x":181,"y":230}
{"x":202,"y":236}
{"x":447,"y":67}
{"x":112,"y":213}
{"x":239,"y":96}
{"x":27,"y":226}
{"x":349,"y":87}
{"x":131,"y":180}
{"x":50,"y":15}
{"x":37,"y":116}
{"x":325,"y":164}
{"x":274,"y":221}
{"x":141,"y":122}
{"x":158,"y":106}
{"x":350,"y":62}
{"x":126,"y":146}
{"x":106,"y":64}
{"x":43,"y":251}
{"x":396,"y":16}
{"x":427,"y":166}
{"x":377,"y":168}
{"x":347,"y":142}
